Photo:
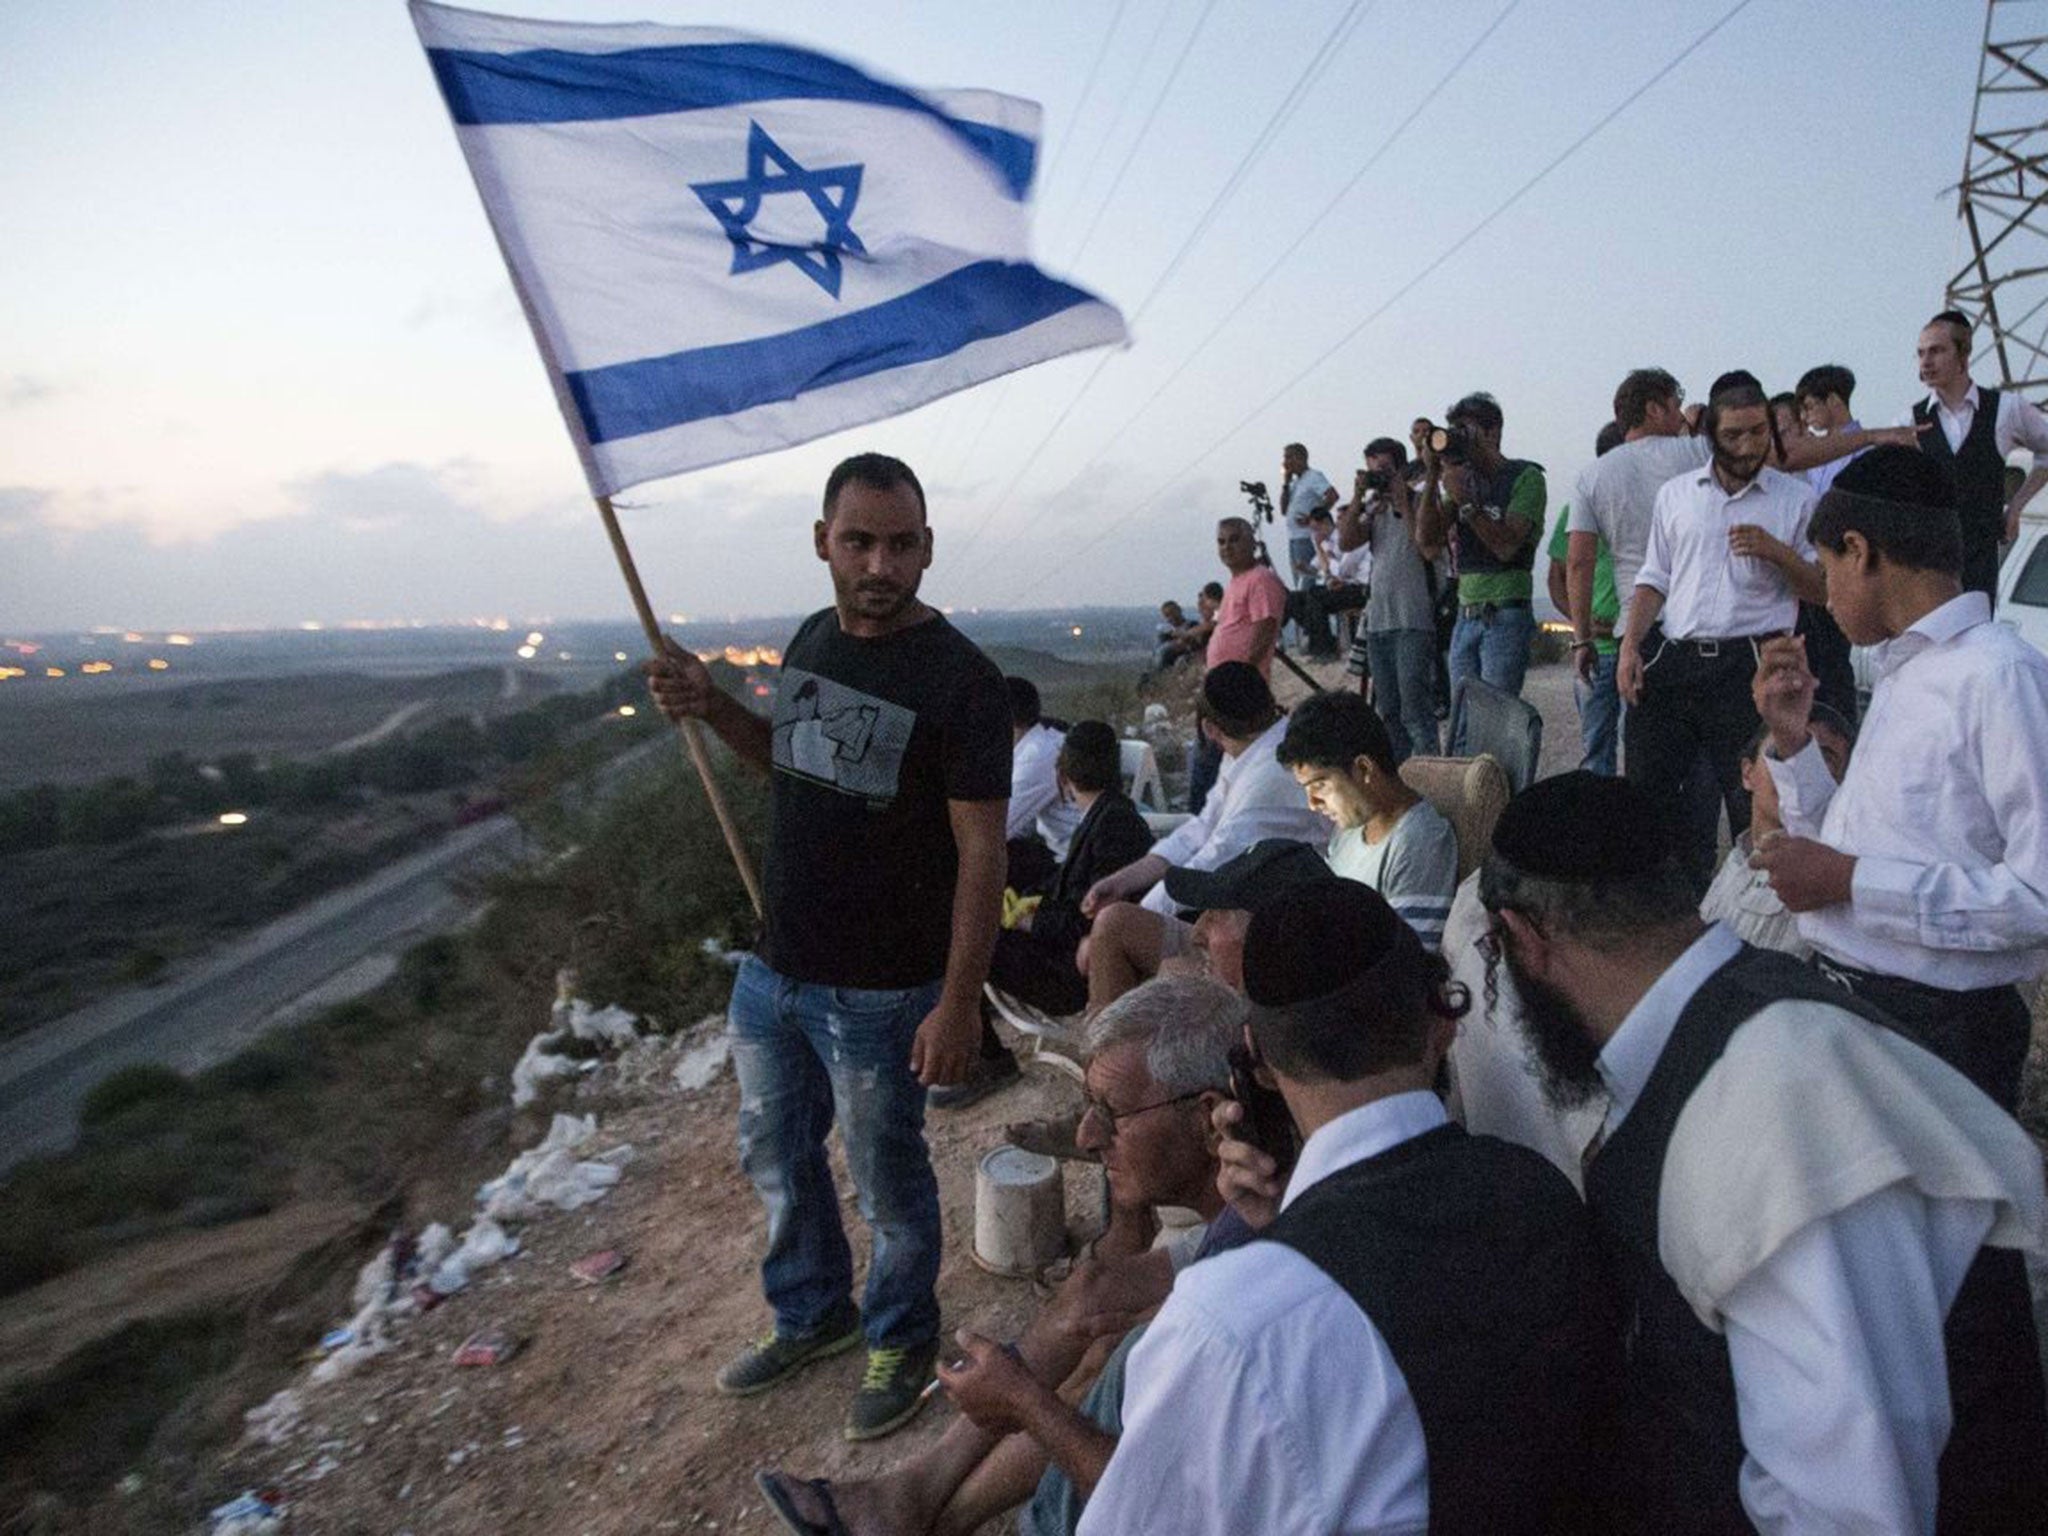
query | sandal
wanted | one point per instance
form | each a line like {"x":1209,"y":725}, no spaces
{"x":771,"y":1482}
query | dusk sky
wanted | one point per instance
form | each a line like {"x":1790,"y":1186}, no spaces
{"x":260,"y":362}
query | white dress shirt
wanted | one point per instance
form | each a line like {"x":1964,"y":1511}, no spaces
{"x":1255,"y":798}
{"x":1262,"y":1398}
{"x":1711,"y":593}
{"x":1034,"y":778}
{"x":1945,"y":806}
{"x":1790,"y":1225}
{"x":2020,"y":423}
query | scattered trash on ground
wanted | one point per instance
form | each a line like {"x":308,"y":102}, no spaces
{"x":247,"y":1515}
{"x":273,"y":1420}
{"x":487,"y":1346}
{"x":596,"y":1268}
{"x":701,"y":1063}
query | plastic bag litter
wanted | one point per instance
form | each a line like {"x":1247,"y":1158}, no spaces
{"x":434,"y":1244}
{"x":484,"y":1244}
{"x":274,"y":1420}
{"x":245,"y":1516}
{"x":701,"y":1063}
{"x":538,"y":1066}
{"x":610,"y":1025}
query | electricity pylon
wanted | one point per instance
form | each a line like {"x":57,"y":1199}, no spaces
{"x":2003,"y":197}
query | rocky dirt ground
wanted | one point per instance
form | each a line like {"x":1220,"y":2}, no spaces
{"x":606,"y":1419}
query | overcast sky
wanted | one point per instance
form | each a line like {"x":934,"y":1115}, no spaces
{"x":260,"y":363}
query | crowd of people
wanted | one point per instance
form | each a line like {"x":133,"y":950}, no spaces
{"x":1552,"y":1176}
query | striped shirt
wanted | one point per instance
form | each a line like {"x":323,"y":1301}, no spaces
{"x":1415,"y":867}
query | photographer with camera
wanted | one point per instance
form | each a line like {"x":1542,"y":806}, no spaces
{"x":1400,"y":628}
{"x":1490,"y":509}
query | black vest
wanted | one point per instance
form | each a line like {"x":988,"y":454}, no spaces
{"x":1979,"y":472}
{"x":1670,"y":1462}
{"x":1478,"y":1266}
{"x":1495,"y":491}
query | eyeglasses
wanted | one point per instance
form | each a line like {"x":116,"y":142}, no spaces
{"x":1114,"y":1118}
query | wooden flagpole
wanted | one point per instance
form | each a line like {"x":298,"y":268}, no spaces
{"x":692,"y":732}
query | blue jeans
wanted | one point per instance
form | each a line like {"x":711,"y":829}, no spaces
{"x":1403,"y":667}
{"x":1494,"y":647}
{"x":1599,"y":715}
{"x":805,"y":1054}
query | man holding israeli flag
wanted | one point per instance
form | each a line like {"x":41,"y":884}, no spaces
{"x":728,"y":246}
{"x":725,"y":247}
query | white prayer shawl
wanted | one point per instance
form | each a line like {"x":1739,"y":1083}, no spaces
{"x":1809,"y":1110}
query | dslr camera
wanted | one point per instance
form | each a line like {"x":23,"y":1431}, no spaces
{"x":1381,"y":480}
{"x":1451,"y":444}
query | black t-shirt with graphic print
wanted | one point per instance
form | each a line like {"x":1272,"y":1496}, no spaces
{"x":872,"y":738}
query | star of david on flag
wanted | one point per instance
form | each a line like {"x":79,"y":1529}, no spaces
{"x":727,"y":246}
{"x":771,"y":171}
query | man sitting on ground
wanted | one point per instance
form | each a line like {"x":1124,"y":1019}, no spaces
{"x":1815,"y":1225}
{"x":1388,"y":836}
{"x":1034,"y":960}
{"x":1415,"y":1340}
{"x":1158,"y":1062}
{"x":1254,"y":798}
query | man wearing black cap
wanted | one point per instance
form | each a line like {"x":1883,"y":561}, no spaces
{"x":1254,"y":798}
{"x":1814,"y":1224}
{"x":1412,"y":1341}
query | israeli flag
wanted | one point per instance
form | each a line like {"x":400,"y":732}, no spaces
{"x":728,"y":246}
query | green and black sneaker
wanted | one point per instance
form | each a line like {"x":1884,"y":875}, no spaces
{"x":777,"y":1356}
{"x":891,"y":1390}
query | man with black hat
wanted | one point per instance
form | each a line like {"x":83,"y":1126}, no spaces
{"x":1815,"y":1225}
{"x":1254,"y":798}
{"x":1413,"y":1341}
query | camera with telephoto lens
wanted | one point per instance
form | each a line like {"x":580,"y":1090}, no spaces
{"x":1451,"y":444}
{"x":1381,"y":480}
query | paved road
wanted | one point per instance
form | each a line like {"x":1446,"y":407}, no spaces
{"x":329,"y":950}
{"x":217,"y":1006}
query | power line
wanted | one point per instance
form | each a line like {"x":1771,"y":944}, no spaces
{"x":1290,"y":103}
{"x":1145,"y":128}
{"x":1217,"y":441}
{"x":1313,"y":223}
{"x":1044,"y":180}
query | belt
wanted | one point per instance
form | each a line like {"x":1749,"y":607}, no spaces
{"x":1710,"y":648}
{"x":1488,"y":610}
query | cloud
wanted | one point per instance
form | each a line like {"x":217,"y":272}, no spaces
{"x":25,"y":389}
{"x":406,"y":540}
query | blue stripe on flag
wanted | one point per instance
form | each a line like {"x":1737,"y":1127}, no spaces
{"x":987,"y":299}
{"x":552,"y":85}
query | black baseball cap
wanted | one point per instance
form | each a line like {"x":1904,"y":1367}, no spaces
{"x":1254,"y":877}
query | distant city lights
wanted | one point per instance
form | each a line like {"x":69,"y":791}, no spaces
{"x":618,"y":655}
{"x":178,"y":640}
{"x":132,"y":638}
{"x":53,"y":671}
{"x":158,"y":664}
{"x":535,"y":638}
{"x":679,"y":618}
{"x":23,"y":647}
{"x":9,"y":673}
{"x":234,"y":818}
{"x":563,"y":655}
{"x":1075,"y":631}
{"x":94,"y":668}
{"x":628,"y":711}
{"x":527,"y":653}
{"x":311,"y":625}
